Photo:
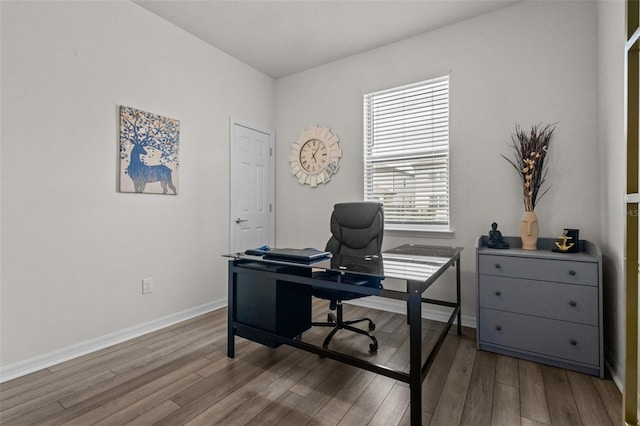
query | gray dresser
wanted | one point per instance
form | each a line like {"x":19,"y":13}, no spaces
{"x":541,"y":305}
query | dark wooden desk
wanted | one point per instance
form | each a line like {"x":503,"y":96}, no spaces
{"x":259,"y":289}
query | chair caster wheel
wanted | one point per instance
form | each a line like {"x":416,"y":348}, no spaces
{"x":373,"y":348}
{"x":372,"y":326}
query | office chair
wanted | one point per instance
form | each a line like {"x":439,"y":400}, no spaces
{"x":357,"y":229}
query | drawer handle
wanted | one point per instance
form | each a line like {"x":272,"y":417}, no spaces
{"x":497,"y":266}
{"x":572,"y":303}
{"x":499,"y":327}
{"x":573,"y":342}
{"x":572,"y":273}
{"x":498,"y":293}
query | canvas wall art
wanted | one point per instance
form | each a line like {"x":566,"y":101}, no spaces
{"x":148,"y":152}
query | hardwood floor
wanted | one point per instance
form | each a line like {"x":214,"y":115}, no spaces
{"x":181,"y":375}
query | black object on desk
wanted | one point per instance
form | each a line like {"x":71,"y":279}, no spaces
{"x":258,"y":251}
{"x":418,"y":266}
{"x":306,"y":255}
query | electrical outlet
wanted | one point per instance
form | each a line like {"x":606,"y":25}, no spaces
{"x":147,"y":285}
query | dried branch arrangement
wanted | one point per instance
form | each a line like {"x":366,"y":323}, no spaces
{"x":531,"y":150}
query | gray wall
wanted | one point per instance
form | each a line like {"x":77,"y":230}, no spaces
{"x":611,"y":152}
{"x":74,"y":250}
{"x":528,"y":63}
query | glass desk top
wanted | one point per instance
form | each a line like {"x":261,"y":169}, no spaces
{"x":405,"y":262}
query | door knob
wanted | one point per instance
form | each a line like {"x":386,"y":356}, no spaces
{"x":238,"y":220}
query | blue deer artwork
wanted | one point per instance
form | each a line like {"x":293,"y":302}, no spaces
{"x":141,"y":174}
{"x":148,"y":152}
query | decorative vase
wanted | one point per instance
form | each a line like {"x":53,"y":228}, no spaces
{"x":529,"y":231}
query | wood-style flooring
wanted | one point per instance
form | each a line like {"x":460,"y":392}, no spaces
{"x":181,"y":375}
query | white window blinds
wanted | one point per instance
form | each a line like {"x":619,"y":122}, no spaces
{"x":406,"y":154}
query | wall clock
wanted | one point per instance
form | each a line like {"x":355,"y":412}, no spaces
{"x":315,"y":155}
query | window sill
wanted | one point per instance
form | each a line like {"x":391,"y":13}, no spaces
{"x":426,"y":233}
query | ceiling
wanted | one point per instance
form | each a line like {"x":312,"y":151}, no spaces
{"x":281,"y":38}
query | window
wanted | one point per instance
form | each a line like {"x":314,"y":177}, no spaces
{"x":406,"y":154}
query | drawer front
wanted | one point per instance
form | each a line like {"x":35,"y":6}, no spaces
{"x":567,"y":302}
{"x":540,"y":336}
{"x":565,"y":271}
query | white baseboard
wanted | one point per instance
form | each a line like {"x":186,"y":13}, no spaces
{"x":616,"y":375}
{"x":399,"y":307}
{"x":31,"y":365}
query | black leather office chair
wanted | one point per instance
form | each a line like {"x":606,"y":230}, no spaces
{"x":357,"y":229}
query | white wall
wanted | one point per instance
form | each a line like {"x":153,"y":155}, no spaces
{"x":74,"y":249}
{"x":528,"y":63}
{"x":611,"y":149}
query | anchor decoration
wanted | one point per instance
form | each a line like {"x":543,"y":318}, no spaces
{"x":567,"y":247}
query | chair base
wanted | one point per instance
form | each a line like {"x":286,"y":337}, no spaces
{"x":337,"y":323}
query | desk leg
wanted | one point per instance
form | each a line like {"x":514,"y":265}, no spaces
{"x":231,"y":352}
{"x":408,"y":305}
{"x":458,"y":296}
{"x":415,"y":351}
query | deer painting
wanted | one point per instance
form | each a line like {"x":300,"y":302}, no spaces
{"x":141,"y":174}
{"x":148,"y":152}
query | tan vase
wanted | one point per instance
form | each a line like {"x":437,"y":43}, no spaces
{"x":529,"y":231}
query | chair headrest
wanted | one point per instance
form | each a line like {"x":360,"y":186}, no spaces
{"x":357,"y":228}
{"x":357,"y":215}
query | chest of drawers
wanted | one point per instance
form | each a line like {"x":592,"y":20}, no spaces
{"x":541,"y":305}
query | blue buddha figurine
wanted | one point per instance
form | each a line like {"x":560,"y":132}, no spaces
{"x":495,"y":238}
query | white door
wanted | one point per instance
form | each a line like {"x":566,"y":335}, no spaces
{"x":251,"y":187}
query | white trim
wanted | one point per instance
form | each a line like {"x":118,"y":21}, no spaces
{"x":399,"y":307}
{"x":632,"y":198}
{"x":419,"y":234}
{"x":31,"y":365}
{"x":616,"y":375}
